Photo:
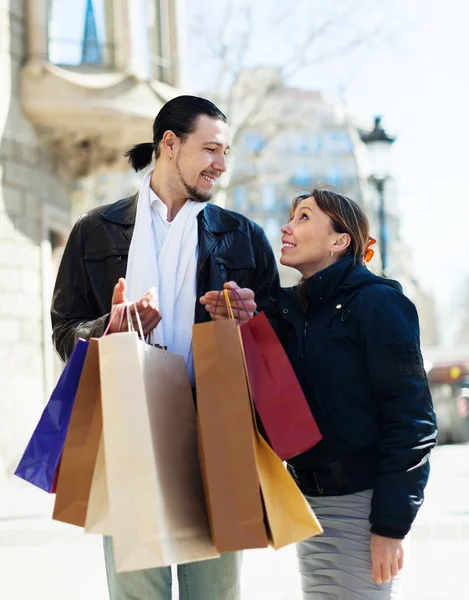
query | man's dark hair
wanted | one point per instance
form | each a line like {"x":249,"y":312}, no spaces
{"x":178,"y":115}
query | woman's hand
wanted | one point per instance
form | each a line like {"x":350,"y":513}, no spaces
{"x":387,"y":555}
{"x":242,"y":312}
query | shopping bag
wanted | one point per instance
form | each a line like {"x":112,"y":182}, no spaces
{"x":81,"y":445}
{"x":287,"y":516}
{"x":41,"y":458}
{"x":226,"y":438}
{"x":156,"y":501}
{"x":98,"y":513}
{"x":278,"y":398}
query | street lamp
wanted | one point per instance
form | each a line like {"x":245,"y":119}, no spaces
{"x":379,"y":145}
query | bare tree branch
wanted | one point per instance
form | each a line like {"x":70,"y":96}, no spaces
{"x":245,"y":103}
{"x":225,"y":42}
{"x":240,"y":59}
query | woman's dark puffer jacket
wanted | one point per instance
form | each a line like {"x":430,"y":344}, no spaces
{"x":356,"y":353}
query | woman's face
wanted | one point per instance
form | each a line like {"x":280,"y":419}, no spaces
{"x":308,"y":239}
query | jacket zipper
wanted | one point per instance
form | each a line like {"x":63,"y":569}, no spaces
{"x":304,"y":338}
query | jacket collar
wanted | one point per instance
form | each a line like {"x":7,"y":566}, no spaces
{"x":214,"y":218}
{"x":218,"y":220}
{"x":122,"y":212}
{"x":323,"y":284}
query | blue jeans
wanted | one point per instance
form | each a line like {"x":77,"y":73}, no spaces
{"x":216,"y":579}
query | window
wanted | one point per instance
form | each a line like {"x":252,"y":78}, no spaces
{"x":272,"y":229}
{"x":142,"y":26}
{"x":239,"y":198}
{"x":339,"y":142}
{"x":334,"y":176}
{"x":269,"y":197}
{"x":253,"y":142}
{"x":80,"y":33}
{"x":303,"y":143}
{"x":159,"y":37}
{"x":302,"y":176}
{"x":315,"y":143}
{"x":296,"y":142}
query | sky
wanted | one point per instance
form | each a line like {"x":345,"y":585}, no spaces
{"x":415,"y":73}
{"x":421,"y":87}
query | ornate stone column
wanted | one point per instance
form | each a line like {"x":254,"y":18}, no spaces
{"x":120,"y":33}
{"x":37,"y":30}
{"x":176,"y":18}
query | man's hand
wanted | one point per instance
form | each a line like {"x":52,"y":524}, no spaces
{"x":242,"y":313}
{"x":387,"y":556}
{"x":146,"y":307}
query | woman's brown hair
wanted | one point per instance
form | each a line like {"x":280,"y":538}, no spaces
{"x":347,"y":216}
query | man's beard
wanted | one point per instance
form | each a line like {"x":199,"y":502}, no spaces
{"x":192,"y":192}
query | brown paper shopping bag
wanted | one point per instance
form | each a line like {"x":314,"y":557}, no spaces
{"x":223,"y":394}
{"x":289,"y":517}
{"x":226,"y":439}
{"x":81,"y":445}
{"x":157,"y":507}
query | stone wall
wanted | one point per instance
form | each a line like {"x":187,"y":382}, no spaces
{"x":30,"y":180}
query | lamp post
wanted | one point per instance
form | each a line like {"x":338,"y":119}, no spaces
{"x":379,"y":145}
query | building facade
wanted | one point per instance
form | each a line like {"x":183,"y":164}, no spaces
{"x":294,"y":140}
{"x":81,"y":82}
{"x":298,"y":141}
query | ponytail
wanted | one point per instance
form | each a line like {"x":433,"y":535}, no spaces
{"x":140,"y":156}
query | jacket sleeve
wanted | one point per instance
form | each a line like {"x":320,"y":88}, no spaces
{"x":267,"y":272}
{"x":408,"y":424}
{"x":72,"y":314}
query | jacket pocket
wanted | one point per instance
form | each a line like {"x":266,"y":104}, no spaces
{"x":244,"y":273}
{"x":235,"y":265}
{"x":104,"y":270}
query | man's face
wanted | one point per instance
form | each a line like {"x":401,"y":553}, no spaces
{"x":201,"y":158}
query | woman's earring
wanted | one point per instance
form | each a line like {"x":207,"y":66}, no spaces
{"x":332,"y":252}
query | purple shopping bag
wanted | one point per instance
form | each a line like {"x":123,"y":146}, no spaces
{"x":42,"y":455}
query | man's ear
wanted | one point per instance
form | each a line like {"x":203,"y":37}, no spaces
{"x":168,"y":142}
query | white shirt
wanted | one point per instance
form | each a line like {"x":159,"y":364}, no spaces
{"x":172,"y":270}
{"x":159,"y":219}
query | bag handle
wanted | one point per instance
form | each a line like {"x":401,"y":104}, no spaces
{"x":238,"y":297}
{"x":119,"y":307}
{"x":131,"y":323}
{"x":227,"y":302}
{"x":226,"y":294}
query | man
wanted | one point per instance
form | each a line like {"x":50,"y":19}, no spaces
{"x":164,"y":249}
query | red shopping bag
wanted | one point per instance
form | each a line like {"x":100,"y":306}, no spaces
{"x":279,"y":400}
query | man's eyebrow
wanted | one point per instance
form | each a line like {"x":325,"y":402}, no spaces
{"x":216,"y":144}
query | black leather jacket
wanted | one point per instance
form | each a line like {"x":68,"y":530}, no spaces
{"x":231,"y":248}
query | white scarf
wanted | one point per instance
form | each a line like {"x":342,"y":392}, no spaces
{"x":172,"y":272}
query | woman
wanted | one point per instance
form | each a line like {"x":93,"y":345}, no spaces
{"x":353,"y":340}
